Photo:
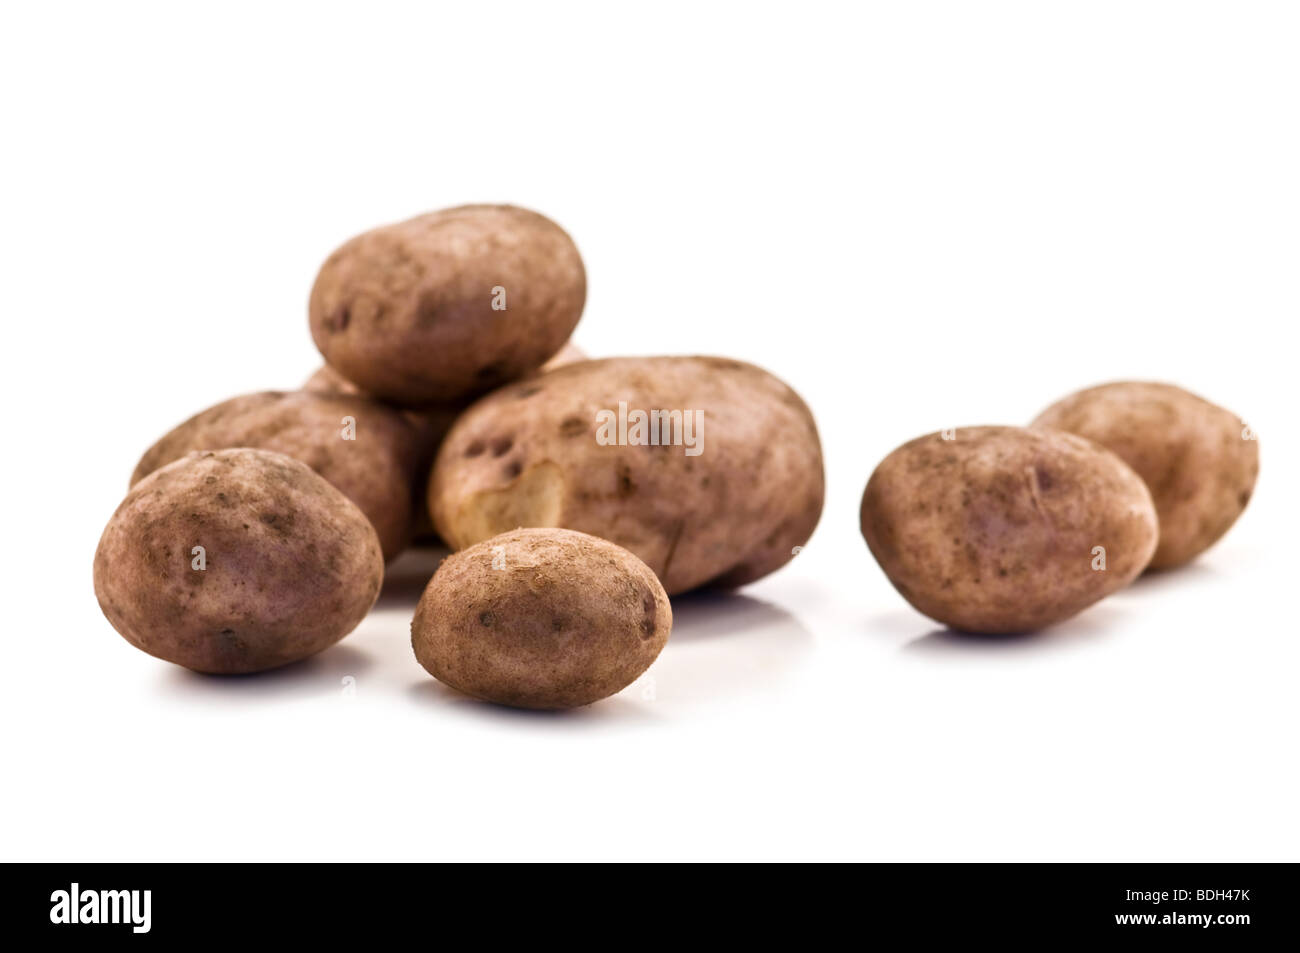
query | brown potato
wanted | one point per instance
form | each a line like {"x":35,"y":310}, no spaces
{"x":541,"y":618}
{"x":431,"y":424}
{"x":1199,"y":461}
{"x":1003,"y":529}
{"x":449,"y":304}
{"x":530,"y":454}
{"x":236,"y":561}
{"x":376,"y":470}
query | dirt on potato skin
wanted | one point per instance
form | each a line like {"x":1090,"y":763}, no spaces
{"x":378,"y":469}
{"x":413,"y":312}
{"x":1199,"y":460}
{"x":541,"y":618}
{"x":288,"y":565}
{"x":996,"y":529}
{"x":528,"y":455}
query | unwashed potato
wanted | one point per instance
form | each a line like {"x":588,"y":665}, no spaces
{"x":376,"y":470}
{"x":733,"y":508}
{"x":541,"y":618}
{"x":1199,"y":460}
{"x":431,"y":424}
{"x":1006,"y":530}
{"x":236,"y":561}
{"x":448,"y":305}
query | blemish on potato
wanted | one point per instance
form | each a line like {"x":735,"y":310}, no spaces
{"x":584,"y":622}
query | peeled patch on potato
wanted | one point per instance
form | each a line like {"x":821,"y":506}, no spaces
{"x":1006,"y":530}
{"x":368,"y":451}
{"x":1199,"y":460}
{"x":541,"y":618}
{"x":236,"y":561}
{"x":449,"y":304}
{"x":731,"y":490}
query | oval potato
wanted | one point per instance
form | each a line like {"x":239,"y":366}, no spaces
{"x":1199,"y":461}
{"x":1000,"y":529}
{"x":731,"y":509}
{"x":236,"y":561}
{"x":376,"y":470}
{"x":541,"y":618}
{"x":448,"y":305}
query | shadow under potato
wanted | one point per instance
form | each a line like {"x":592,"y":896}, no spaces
{"x":616,"y":708}
{"x":713,"y":613}
{"x":1153,"y":579}
{"x":1089,"y":625}
{"x":317,"y":675}
{"x":407,"y":576}
{"x":725,"y":644}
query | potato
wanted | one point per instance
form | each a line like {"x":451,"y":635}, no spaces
{"x":541,"y":618}
{"x":236,"y":561}
{"x":1199,"y":461}
{"x":376,"y":470}
{"x":449,"y":304}
{"x":1006,"y":530}
{"x":725,"y":512}
{"x":431,"y":424}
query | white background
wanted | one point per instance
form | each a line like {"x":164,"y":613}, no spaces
{"x":918,"y":214}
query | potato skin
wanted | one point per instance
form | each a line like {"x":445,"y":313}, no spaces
{"x":1193,"y":455}
{"x":326,"y":380}
{"x":994,"y":531}
{"x":377,"y":470}
{"x":406,"y":311}
{"x":564,"y":619}
{"x":527,"y":455}
{"x":292,"y":565}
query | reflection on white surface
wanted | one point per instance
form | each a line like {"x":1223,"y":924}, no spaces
{"x":1169,"y":580}
{"x":723,"y":645}
{"x":437,"y":698}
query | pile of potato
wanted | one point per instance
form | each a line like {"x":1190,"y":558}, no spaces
{"x":255,"y":533}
